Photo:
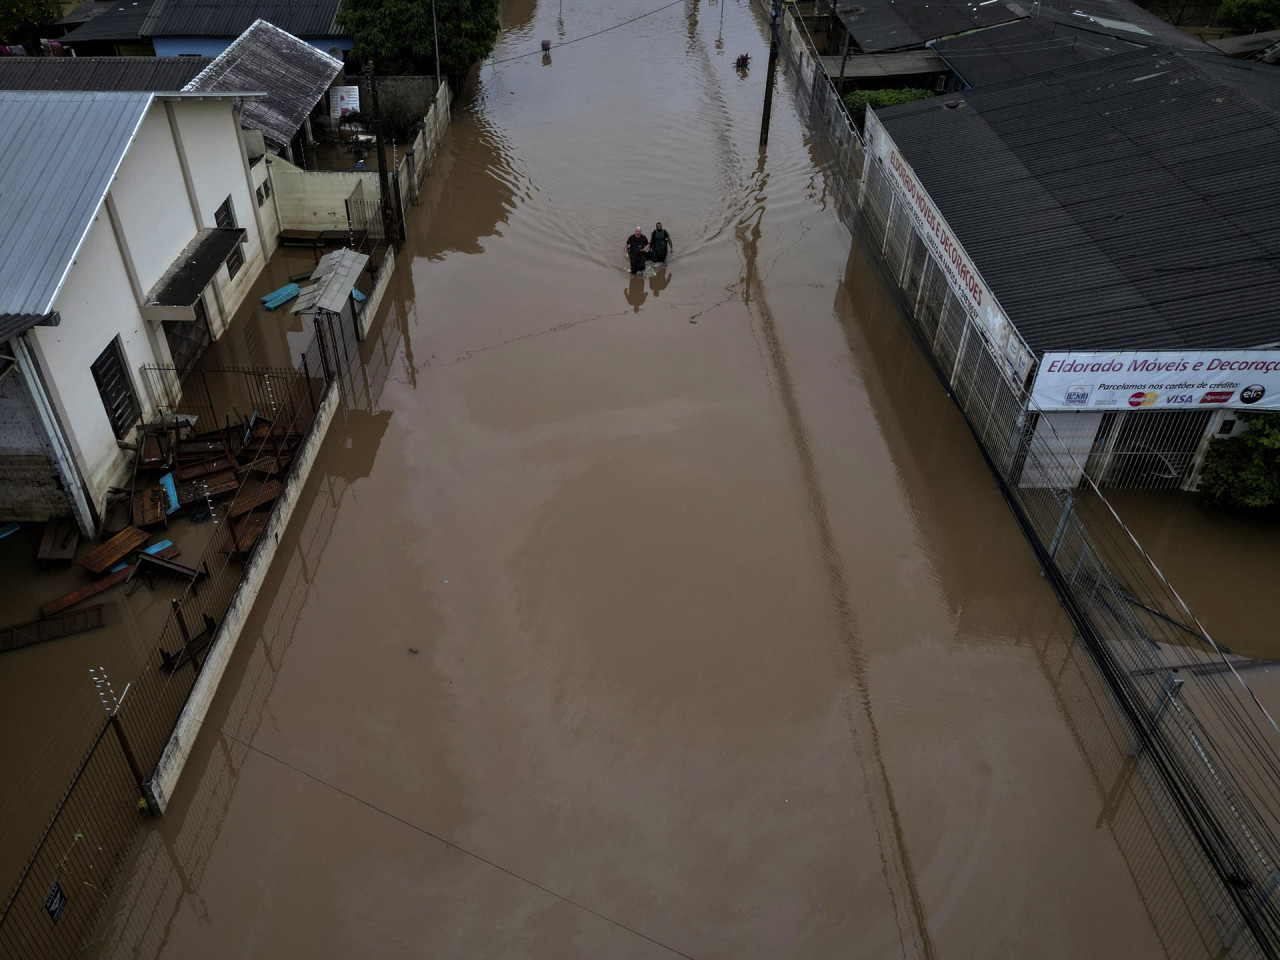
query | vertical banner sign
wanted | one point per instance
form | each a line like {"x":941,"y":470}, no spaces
{"x":343,"y":100}
{"x":1001,"y":336}
{"x":1159,"y":380}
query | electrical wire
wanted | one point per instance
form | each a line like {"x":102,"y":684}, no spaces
{"x":588,"y":36}
{"x":449,"y":843}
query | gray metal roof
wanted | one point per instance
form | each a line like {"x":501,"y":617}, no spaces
{"x":48,"y":198}
{"x":904,"y":63}
{"x":99,"y":73}
{"x":878,"y":26}
{"x":1024,"y":48}
{"x":1113,"y":18}
{"x":1132,"y":202}
{"x":293,"y":73}
{"x":333,"y":279}
{"x":1260,"y":81}
{"x":121,"y":21}
{"x":1247,"y":44}
{"x":230,"y":18}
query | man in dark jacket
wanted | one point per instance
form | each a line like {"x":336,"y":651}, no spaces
{"x":636,"y":246}
{"x":659,"y":242}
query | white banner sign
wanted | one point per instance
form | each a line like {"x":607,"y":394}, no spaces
{"x":978,"y":300}
{"x":1159,"y":380}
{"x":343,"y":100}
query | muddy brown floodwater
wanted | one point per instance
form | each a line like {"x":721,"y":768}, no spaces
{"x":641,"y":617}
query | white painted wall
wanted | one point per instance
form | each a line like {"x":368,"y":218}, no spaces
{"x":210,"y":136}
{"x":267,"y":211}
{"x":96,"y":305}
{"x":151,"y":200}
{"x":317,"y":200}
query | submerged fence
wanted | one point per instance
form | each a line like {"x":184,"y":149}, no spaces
{"x":1185,"y":755}
{"x":56,"y":900}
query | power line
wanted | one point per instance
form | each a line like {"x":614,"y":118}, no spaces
{"x":534,"y":53}
{"x":449,"y":843}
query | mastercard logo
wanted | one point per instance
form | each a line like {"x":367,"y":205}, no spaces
{"x":1143,"y":398}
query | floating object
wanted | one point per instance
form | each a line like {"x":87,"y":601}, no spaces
{"x":357,"y":296}
{"x":278,"y":298}
{"x":162,"y":545}
{"x":546,"y":46}
{"x":61,"y":537}
{"x":7,"y":529}
{"x":171,"y":488}
{"x":114,"y":550}
{"x":743,"y":61}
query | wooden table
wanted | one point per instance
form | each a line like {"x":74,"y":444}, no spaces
{"x":195,"y":491}
{"x":250,"y":499}
{"x":114,"y":550}
{"x":150,"y":505}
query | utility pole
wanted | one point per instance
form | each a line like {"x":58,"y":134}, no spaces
{"x":435,"y":37}
{"x":773,"y":70}
{"x":390,"y":218}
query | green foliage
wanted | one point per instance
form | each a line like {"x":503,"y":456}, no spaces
{"x":859,"y":100}
{"x":1244,"y":471}
{"x":1250,"y":15}
{"x":21,"y":20}
{"x":396,"y":34}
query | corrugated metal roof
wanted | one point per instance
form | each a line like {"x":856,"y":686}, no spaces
{"x":1245,"y":45}
{"x":333,"y":278}
{"x":1024,"y":48}
{"x":121,"y":21}
{"x":878,"y":26}
{"x":293,"y":74}
{"x":87,"y":11}
{"x":904,"y":63}
{"x":230,"y":18}
{"x":99,"y":73}
{"x":48,"y":198}
{"x":1261,"y":81}
{"x":1120,"y":19}
{"x":1132,"y":202}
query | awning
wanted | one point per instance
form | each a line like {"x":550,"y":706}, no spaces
{"x":12,"y":324}
{"x":333,"y":278}
{"x":188,"y":275}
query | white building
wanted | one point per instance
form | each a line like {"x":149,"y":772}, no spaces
{"x":132,"y":242}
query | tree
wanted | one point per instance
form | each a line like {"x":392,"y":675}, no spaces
{"x":1244,"y":471}
{"x":22,"y":20}
{"x":859,"y":100}
{"x":1250,"y":15}
{"x":397,"y":36}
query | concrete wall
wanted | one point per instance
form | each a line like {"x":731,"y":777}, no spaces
{"x":97,"y":305}
{"x":267,"y":210}
{"x":211,"y":137}
{"x":178,"y":749}
{"x":316,"y":200}
{"x":29,"y":487}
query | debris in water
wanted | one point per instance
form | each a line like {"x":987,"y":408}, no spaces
{"x":413,"y":649}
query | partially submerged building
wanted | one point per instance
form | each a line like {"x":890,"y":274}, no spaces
{"x":202,"y":28}
{"x":293,"y":75}
{"x":1110,"y":230}
{"x":133,"y":244}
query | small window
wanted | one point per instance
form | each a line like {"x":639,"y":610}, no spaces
{"x":266,"y":188}
{"x":1227,"y":427}
{"x":225,"y":216}
{"x":234,"y":261}
{"x":116,"y":389}
{"x":262,"y":197}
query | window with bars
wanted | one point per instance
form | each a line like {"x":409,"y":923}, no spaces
{"x":116,"y":389}
{"x":225,"y":218}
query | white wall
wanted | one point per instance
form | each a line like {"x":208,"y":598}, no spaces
{"x":96,"y":304}
{"x":151,"y":200}
{"x":267,"y":211}
{"x":210,"y":136}
{"x":317,"y":200}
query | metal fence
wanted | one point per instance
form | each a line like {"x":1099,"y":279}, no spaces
{"x":1185,"y":754}
{"x":58,"y":895}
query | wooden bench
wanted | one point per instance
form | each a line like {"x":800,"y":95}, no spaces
{"x":250,"y":499}
{"x":114,"y":550}
{"x":211,"y":487}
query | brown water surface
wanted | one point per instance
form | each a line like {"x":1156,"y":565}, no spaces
{"x":639,"y":617}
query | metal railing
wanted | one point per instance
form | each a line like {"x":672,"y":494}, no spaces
{"x":60,"y":891}
{"x":1187,"y":763}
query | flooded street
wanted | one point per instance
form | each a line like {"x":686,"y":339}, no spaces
{"x":640,"y":617}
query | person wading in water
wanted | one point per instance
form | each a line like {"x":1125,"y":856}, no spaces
{"x":636,"y":245}
{"x":659,"y":241}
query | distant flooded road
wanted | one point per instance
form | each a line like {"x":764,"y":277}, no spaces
{"x":641,"y":617}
